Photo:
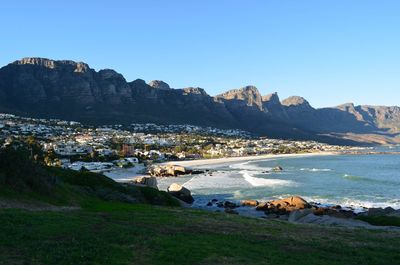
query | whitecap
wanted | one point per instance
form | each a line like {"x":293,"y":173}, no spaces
{"x":315,"y":169}
{"x":248,"y":166}
{"x":257,"y":182}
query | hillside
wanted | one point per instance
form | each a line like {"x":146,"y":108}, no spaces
{"x":25,"y":181}
{"x":55,"y":216}
{"x":71,"y":90}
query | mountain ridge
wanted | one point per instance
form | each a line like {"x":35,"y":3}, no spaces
{"x":72,"y":90}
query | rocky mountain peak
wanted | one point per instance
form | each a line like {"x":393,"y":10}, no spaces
{"x":36,"y":61}
{"x":159,"y":85}
{"x":109,"y":74}
{"x":249,"y":94}
{"x":272,"y":98}
{"x":346,"y":106}
{"x":78,"y":67}
{"x":195,"y":90}
{"x":295,"y":101}
{"x":245,"y":93}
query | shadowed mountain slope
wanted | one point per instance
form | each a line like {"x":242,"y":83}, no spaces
{"x":71,"y":90}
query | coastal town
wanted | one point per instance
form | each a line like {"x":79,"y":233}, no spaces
{"x":72,"y":145}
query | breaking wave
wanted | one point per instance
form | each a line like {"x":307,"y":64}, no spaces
{"x":315,"y":169}
{"x":257,"y":182}
{"x":357,"y":204}
{"x":248,"y":166}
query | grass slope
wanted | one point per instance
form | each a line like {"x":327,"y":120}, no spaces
{"x":121,"y":233}
{"x":115,"y":224}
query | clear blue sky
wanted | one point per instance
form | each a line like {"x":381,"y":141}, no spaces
{"x":330,"y":52}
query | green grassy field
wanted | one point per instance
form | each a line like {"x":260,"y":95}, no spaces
{"x":120,"y":233}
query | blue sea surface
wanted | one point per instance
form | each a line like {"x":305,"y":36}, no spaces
{"x":348,"y":180}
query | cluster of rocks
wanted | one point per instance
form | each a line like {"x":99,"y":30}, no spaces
{"x":274,"y":169}
{"x":388,"y":211}
{"x":168,"y":170}
{"x":296,"y":209}
{"x":227,"y":205}
{"x":283,"y":206}
{"x":176,"y":190}
{"x":171,"y":171}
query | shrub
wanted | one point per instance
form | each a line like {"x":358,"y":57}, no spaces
{"x":21,"y":172}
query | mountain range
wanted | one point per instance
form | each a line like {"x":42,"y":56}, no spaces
{"x":40,"y":87}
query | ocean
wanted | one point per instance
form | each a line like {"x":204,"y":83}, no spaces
{"x":348,"y":180}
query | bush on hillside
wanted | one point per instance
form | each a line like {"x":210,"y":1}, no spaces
{"x":20,"y":171}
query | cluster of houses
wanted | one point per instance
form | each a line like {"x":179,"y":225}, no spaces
{"x":187,"y":128}
{"x":79,"y":147}
{"x":101,"y":166}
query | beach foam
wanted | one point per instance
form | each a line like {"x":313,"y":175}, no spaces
{"x":257,"y":182}
{"x":215,"y":182}
{"x":355,"y":203}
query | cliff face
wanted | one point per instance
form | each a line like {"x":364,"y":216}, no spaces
{"x":274,"y":108}
{"x":72,"y":90}
{"x":246,"y":96}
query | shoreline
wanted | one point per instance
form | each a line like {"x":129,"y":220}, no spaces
{"x":120,"y":174}
{"x":223,"y":160}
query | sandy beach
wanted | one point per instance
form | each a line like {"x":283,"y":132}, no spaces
{"x":215,"y":161}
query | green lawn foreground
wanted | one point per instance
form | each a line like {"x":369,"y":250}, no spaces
{"x":121,"y":233}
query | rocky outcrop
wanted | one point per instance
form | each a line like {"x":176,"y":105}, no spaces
{"x":388,"y":211}
{"x":251,"y":203}
{"x":291,"y":203}
{"x":298,"y":214}
{"x":296,"y":103}
{"x":195,"y":91}
{"x":180,"y":193}
{"x":248,"y":95}
{"x":273,"y":107}
{"x":158,"y":84}
{"x":333,"y":221}
{"x":284,"y":205}
{"x":277,"y":168}
{"x":145,"y":181}
{"x":168,"y":171}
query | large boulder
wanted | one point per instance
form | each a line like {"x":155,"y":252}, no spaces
{"x":251,"y":203}
{"x":334,"y":221}
{"x":180,"y":192}
{"x":168,"y":171}
{"x":277,"y":168}
{"x":145,"y":181}
{"x":380,"y":211}
{"x":283,"y":206}
{"x":333,"y":211}
{"x":291,"y":203}
{"x":395,"y":213}
{"x":296,"y":215}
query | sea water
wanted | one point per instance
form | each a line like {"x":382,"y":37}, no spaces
{"x":348,"y":180}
